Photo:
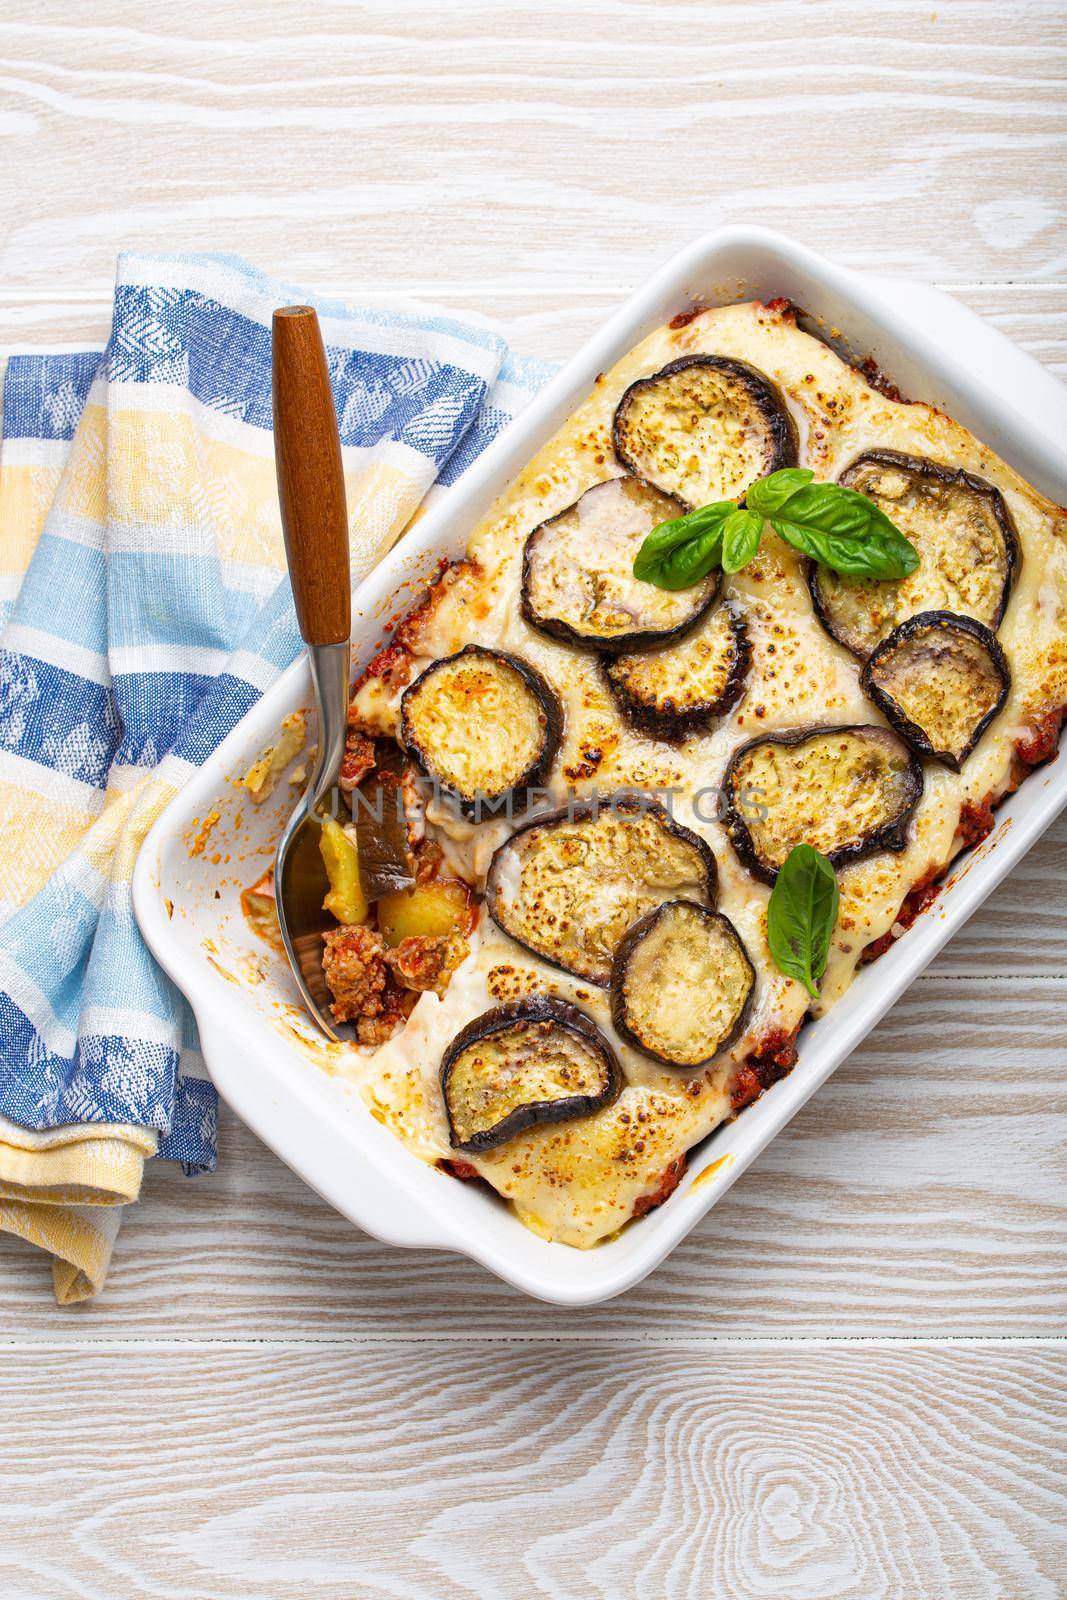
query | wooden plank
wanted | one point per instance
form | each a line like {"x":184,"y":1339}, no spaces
{"x":1022,"y":928}
{"x":919,"y":1192}
{"x":482,"y":145}
{"x":432,"y":1471}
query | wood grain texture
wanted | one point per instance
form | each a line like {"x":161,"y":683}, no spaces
{"x":311,"y":480}
{"x":501,"y":143}
{"x":550,"y":322}
{"x":619,"y":1472}
{"x":921,"y":1192}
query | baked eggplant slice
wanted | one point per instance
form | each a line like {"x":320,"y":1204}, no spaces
{"x":684,"y":688}
{"x":567,"y":885}
{"x":968,"y":548}
{"x":578,"y":580}
{"x":850,"y":792}
{"x":704,"y":428}
{"x":483,"y":724}
{"x":939,"y":680}
{"x":530,"y":1062}
{"x":383,"y":847}
{"x":681,"y":984}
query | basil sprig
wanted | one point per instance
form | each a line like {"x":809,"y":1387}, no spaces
{"x":741,"y":534}
{"x":835,"y":526}
{"x":680,"y":553}
{"x":801,"y":915}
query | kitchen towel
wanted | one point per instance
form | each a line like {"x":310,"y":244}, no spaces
{"x":144,"y":608}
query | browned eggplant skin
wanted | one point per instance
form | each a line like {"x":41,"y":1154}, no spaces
{"x":625,"y":643}
{"x":583,"y":812}
{"x":910,"y":732}
{"x":548,"y":700}
{"x":670,"y":725}
{"x":541,"y":1008}
{"x":892,"y":837}
{"x":922,"y":467}
{"x":385,"y":859}
{"x":625,"y":949}
{"x":765,"y":396}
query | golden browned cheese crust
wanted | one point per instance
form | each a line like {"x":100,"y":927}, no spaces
{"x":568,"y":886}
{"x":966,"y":541}
{"x":578,"y":1182}
{"x":684,"y":688}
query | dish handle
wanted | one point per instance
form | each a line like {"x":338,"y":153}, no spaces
{"x":289,"y":1118}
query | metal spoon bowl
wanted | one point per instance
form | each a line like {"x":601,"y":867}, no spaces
{"x":300,"y":881}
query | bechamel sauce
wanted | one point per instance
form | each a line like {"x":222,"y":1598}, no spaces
{"x":578,"y":1182}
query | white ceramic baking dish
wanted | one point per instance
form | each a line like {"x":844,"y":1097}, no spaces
{"x":258,"y":1050}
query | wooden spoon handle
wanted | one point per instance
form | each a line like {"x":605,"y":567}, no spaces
{"x":311,"y":485}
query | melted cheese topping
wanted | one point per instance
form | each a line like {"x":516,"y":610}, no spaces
{"x":476,"y":723}
{"x":578,"y":1182}
{"x":836,"y":791}
{"x":581,"y":567}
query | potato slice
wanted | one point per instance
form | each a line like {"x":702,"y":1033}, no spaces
{"x":429,"y":910}
{"x":345,"y":899}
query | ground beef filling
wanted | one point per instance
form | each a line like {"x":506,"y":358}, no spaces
{"x":359,"y":758}
{"x":670,"y":1178}
{"x":375,"y":984}
{"x":375,"y":987}
{"x":772,"y":1059}
{"x":1042,"y":741}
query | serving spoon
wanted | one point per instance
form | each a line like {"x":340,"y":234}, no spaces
{"x":311,"y":493}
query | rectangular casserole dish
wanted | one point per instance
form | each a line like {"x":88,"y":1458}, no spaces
{"x":263,"y":1055}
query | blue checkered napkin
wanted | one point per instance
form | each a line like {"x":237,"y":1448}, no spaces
{"x":152,"y":613}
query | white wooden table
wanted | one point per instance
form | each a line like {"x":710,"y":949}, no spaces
{"x":849,"y":1382}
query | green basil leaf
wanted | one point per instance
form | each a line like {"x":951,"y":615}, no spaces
{"x":854,"y":555}
{"x":679,"y":553}
{"x":768,"y":494}
{"x":689,"y":563}
{"x":835,"y":526}
{"x":844,"y":530}
{"x":801,"y":915}
{"x":741,"y":533}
